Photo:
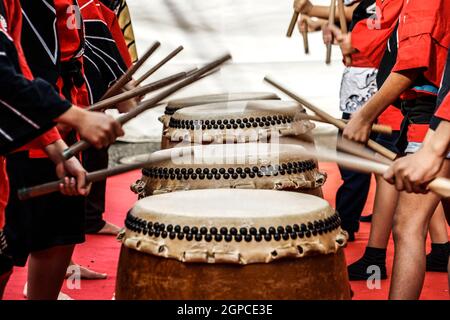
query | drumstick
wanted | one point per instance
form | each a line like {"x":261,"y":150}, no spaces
{"x":137,"y":92}
{"x":440,"y":186}
{"x":127,"y":76}
{"x":156,"y":157}
{"x":331,"y":19}
{"x":292,"y":24}
{"x":378,"y":128}
{"x":338,"y":123}
{"x":305,"y":37}
{"x":158,"y":65}
{"x":359,"y":150}
{"x":150,"y":103}
{"x":344,"y":30}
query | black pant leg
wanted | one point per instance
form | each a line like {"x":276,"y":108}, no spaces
{"x":94,"y":159}
{"x":352,"y":195}
{"x":351,"y":198}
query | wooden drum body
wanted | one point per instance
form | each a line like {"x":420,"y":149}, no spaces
{"x":235,"y":166}
{"x":237,"y":122}
{"x":178,"y":104}
{"x":232,"y":244}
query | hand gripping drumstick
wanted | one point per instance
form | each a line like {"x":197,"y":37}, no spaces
{"x":331,"y":19}
{"x":150,"y":103}
{"x":140,"y":91}
{"x":440,"y":186}
{"x":377,"y":128}
{"x":330,"y":119}
{"x":158,"y":65}
{"x":127,"y":76}
{"x":174,"y":153}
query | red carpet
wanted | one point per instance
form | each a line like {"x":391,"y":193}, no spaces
{"x":101,"y":252}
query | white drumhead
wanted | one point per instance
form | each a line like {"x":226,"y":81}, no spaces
{"x":233,"y":226}
{"x":238,"y":154}
{"x":232,"y":207}
{"x":238,"y":109}
{"x":219,"y":97}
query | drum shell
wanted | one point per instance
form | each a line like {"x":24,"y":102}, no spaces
{"x":263,"y":121}
{"x":199,"y":100}
{"x":146,"y":277}
{"x":289,"y":171}
{"x":147,"y":186}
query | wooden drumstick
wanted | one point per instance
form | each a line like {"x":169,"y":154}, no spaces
{"x":137,"y":92}
{"x":342,"y":18}
{"x":305,"y":37}
{"x":440,"y":186}
{"x":360,"y":150}
{"x":150,"y":103}
{"x":331,"y":19}
{"x":292,"y":24}
{"x":377,"y":128}
{"x":157,"y":157}
{"x":336,"y":122}
{"x":127,"y":76}
{"x":158,"y":65}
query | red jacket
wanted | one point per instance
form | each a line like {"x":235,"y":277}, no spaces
{"x":424,"y":38}
{"x":370,"y":36}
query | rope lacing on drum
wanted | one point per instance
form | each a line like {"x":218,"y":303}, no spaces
{"x":218,"y":234}
{"x":250,"y":122}
{"x":229,"y":173}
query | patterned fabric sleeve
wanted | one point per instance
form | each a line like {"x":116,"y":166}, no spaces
{"x":122,"y":12}
{"x":27,"y":107}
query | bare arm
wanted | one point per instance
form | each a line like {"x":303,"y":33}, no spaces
{"x":323,"y":12}
{"x":306,"y":7}
{"x":391,"y":90}
{"x":414,"y":172}
{"x":439,"y":142}
{"x":360,"y":125}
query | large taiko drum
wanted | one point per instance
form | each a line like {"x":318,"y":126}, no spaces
{"x":236,"y":166}
{"x":177,"y":104}
{"x":232,"y":244}
{"x":237,"y":122}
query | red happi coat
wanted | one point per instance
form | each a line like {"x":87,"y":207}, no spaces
{"x":370,"y":38}
{"x":106,"y":54}
{"x":424,"y":38}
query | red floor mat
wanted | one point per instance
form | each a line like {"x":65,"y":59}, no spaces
{"x":101,"y":252}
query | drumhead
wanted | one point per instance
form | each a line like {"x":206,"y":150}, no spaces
{"x":233,"y":226}
{"x":233,"y":154}
{"x":177,"y":104}
{"x":232,"y":207}
{"x":238,"y":109}
{"x":134,"y":159}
